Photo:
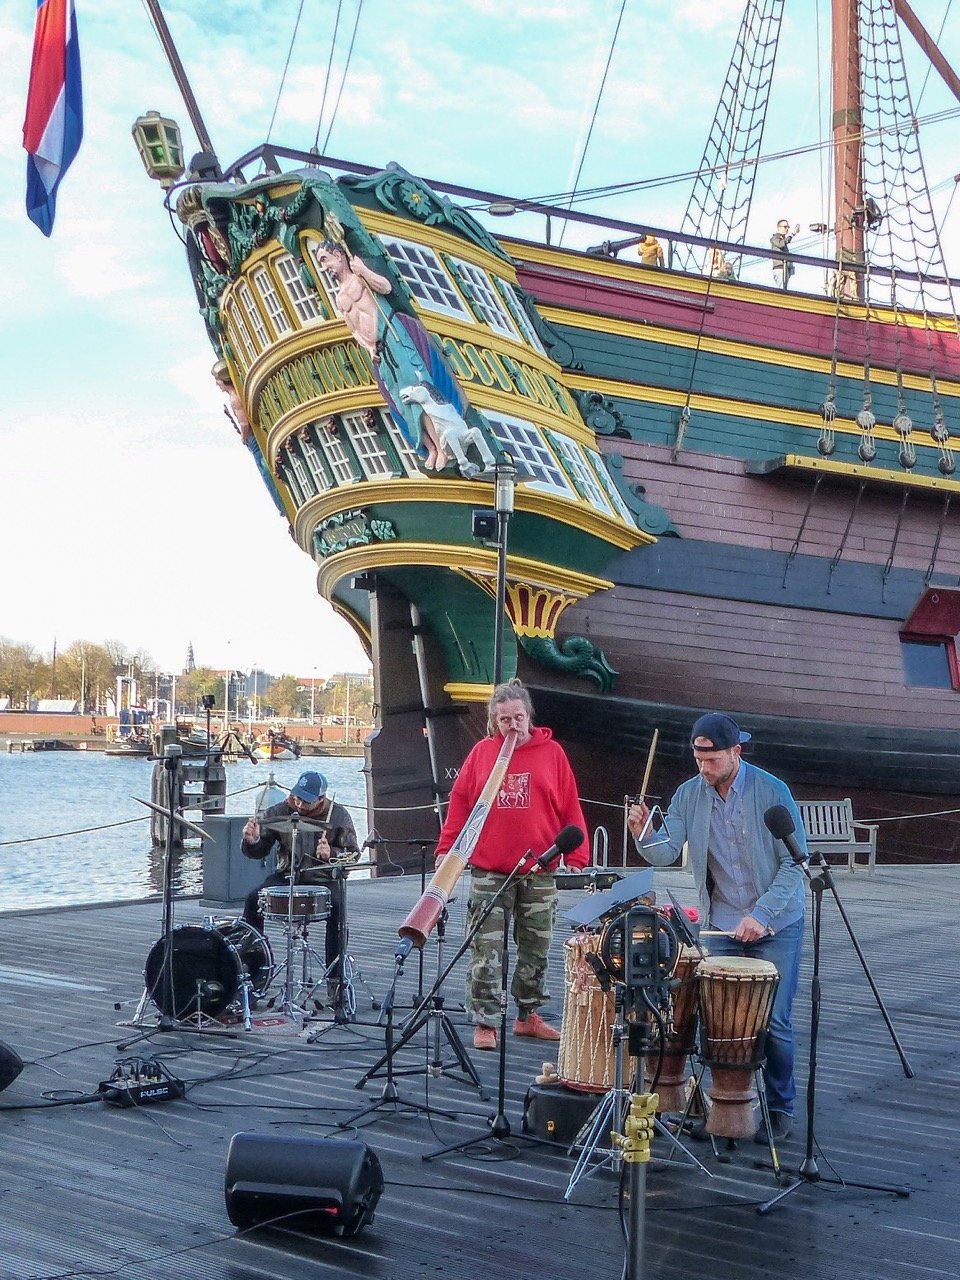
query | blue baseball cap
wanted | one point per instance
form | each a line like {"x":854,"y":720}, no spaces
{"x":720,"y":731}
{"x":310,"y":787}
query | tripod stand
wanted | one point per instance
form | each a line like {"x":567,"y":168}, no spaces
{"x":390,"y":1096}
{"x":809,"y":1171}
{"x":343,"y":969}
{"x":431,"y":1013}
{"x":498,"y":1125}
{"x":611,"y":1114}
{"x":175,"y":1001}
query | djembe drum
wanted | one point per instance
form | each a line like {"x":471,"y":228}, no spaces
{"x":736,"y":1000}
{"x":681,"y":1039}
{"x":586,"y":1057}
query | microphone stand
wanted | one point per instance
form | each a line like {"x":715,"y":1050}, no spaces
{"x":809,"y":1171}
{"x":431,"y":1010}
{"x":390,"y":1096}
{"x":498,"y":1126}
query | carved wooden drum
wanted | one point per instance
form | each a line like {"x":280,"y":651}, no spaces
{"x":736,"y":1000}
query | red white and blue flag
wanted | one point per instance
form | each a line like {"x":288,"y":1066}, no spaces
{"x":54,"y":122}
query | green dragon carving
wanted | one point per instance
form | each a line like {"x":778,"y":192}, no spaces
{"x":577,"y":656}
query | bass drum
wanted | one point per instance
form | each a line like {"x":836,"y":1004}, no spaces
{"x":208,"y":965}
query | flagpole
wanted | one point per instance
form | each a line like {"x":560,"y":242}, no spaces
{"x":180,"y":75}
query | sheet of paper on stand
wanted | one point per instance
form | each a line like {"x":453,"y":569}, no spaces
{"x":598,"y":906}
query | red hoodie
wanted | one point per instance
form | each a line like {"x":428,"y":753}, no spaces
{"x":536,"y":800}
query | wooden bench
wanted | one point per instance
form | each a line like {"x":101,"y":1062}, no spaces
{"x":831,"y":828}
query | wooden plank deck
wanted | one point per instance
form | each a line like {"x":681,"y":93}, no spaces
{"x":93,"y":1190}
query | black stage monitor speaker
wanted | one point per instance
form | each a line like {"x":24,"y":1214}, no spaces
{"x":327,"y":1183}
{"x":10,"y":1065}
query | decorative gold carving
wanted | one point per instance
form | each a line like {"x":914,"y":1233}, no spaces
{"x":533,"y":609}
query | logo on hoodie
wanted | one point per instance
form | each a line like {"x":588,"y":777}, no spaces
{"x":514,"y":792}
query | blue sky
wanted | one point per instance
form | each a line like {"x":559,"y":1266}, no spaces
{"x":129,"y":508}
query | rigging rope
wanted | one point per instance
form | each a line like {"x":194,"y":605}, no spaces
{"x":733,"y":145}
{"x":343,"y":78}
{"x":326,"y":78}
{"x":286,"y":68}
{"x":596,"y":108}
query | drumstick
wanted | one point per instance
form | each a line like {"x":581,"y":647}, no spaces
{"x":649,"y":768}
{"x":715,"y":933}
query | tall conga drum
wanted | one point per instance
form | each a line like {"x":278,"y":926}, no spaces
{"x":586,"y":1059}
{"x":736,"y":1001}
{"x":681,"y":1036}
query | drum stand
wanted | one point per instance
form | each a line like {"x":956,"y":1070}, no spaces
{"x":298,"y":940}
{"x":287,"y":1003}
{"x":611,"y":1114}
{"x":344,"y":969}
{"x":432,"y":1011}
{"x":809,"y":1171}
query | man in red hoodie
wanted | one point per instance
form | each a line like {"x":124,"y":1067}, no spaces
{"x":537,"y":799}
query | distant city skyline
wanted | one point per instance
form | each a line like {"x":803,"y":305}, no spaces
{"x":322,"y":670}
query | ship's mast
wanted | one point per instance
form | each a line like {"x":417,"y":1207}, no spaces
{"x":848,"y":148}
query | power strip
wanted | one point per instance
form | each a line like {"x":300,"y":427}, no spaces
{"x":136,"y":1082}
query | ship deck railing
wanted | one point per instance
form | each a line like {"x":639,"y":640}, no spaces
{"x":613,"y":235}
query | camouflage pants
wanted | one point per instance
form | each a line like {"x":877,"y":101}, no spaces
{"x":531,"y":903}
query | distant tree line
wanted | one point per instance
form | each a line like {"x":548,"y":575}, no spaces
{"x":87,"y":673}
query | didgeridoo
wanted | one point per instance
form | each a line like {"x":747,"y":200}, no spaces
{"x":427,"y":911}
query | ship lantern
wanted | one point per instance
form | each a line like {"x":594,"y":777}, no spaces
{"x":160,"y":147}
{"x":505,"y":479}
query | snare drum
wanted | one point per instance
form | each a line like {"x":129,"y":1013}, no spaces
{"x":736,"y":1000}
{"x":681,"y":1038}
{"x":310,"y":902}
{"x":209,"y":965}
{"x":586,"y":1058}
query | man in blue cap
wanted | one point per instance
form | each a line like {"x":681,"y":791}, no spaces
{"x":749,"y":885}
{"x":315,"y":847}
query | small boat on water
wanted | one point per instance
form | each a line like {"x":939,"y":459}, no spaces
{"x":137,"y":743}
{"x":274,"y":745}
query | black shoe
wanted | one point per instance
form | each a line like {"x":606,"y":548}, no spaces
{"x":781,"y":1126}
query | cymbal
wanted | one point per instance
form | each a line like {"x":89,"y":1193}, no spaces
{"x":284,"y":826}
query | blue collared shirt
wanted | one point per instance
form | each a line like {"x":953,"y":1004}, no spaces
{"x":728,"y":859}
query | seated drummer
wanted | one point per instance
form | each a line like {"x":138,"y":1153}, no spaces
{"x":309,"y":799}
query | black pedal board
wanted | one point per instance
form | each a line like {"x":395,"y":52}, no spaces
{"x":137,"y":1083}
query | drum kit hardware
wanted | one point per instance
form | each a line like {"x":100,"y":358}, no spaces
{"x":207,"y":976}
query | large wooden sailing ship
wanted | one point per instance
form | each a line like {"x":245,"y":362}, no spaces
{"x":730,"y":494}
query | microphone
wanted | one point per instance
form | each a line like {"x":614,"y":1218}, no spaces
{"x":404,"y":947}
{"x":569,"y":839}
{"x":779,"y":822}
{"x":371,"y":841}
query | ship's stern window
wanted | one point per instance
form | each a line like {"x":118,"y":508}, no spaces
{"x":305,"y":301}
{"x":271,"y":300}
{"x":426,"y":277}
{"x":486,"y":300}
